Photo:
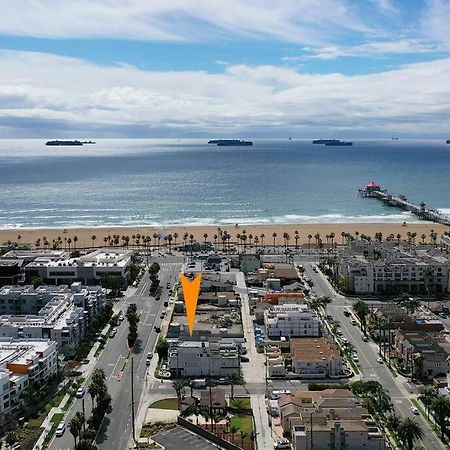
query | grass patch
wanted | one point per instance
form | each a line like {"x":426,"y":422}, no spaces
{"x":55,"y":401}
{"x":244,"y":423}
{"x":240,"y":403}
{"x":57,"y":417}
{"x":166,"y":403}
{"x":69,"y":403}
{"x":49,"y":436}
{"x":149,"y":429}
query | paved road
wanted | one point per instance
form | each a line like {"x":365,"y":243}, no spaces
{"x":116,"y":429}
{"x":400,"y":391}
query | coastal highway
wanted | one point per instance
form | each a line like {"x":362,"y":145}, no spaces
{"x":400,"y":390}
{"x":116,"y":429}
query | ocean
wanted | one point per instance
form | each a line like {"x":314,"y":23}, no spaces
{"x":168,"y":181}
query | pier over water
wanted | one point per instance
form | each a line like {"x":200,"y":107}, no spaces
{"x":373,"y":190}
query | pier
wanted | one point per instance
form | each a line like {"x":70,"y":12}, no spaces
{"x":373,"y":190}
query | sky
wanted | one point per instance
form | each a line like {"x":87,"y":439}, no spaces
{"x":224,"y":68}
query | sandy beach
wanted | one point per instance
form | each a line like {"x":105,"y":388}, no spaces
{"x":84,"y":235}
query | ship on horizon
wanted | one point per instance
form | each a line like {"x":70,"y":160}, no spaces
{"x":229,"y":142}
{"x":448,"y":141}
{"x":332,"y":142}
{"x":59,"y":143}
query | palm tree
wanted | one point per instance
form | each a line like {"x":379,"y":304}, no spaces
{"x":244,"y":434}
{"x":361,"y":310}
{"x":393,"y":422}
{"x":427,"y":395}
{"x":441,"y":411}
{"x":179,"y":385}
{"x":274,"y":235}
{"x":75,"y":240}
{"x":343,"y":235}
{"x":297,"y":237}
{"x":309,"y":242}
{"x":215,"y":239}
{"x":423,"y":237}
{"x":262,"y":236}
{"x":191,"y":385}
{"x":205,"y":236}
{"x":175,"y":237}
{"x":409,"y":431}
{"x":75,"y":426}
{"x":169,"y":240}
{"x":233,"y":378}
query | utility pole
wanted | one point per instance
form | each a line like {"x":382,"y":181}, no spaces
{"x":132,"y":401}
{"x":84,"y":415}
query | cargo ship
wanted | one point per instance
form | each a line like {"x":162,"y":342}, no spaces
{"x":332,"y":142}
{"x":76,"y":142}
{"x":229,"y":142}
{"x":448,"y":141}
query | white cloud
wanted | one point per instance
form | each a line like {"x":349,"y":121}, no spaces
{"x":305,"y":21}
{"x":369,"y":49}
{"x":57,"y":93}
{"x":435,"y":23}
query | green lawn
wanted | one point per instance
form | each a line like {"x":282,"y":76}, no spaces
{"x":166,"y":403}
{"x":57,"y":417}
{"x":244,"y":423}
{"x":53,"y":403}
{"x":240,"y":403}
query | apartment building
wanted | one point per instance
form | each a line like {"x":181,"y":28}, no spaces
{"x":332,"y":418}
{"x":29,"y":300}
{"x":388,"y":268}
{"x":203,"y":359}
{"x":64,"y":318}
{"x":316,"y":358}
{"x":291,"y":320}
{"x":426,"y":354}
{"x":23,"y":363}
{"x":88,"y":268}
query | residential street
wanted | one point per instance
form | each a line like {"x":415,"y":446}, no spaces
{"x":399,"y":388}
{"x":116,"y":429}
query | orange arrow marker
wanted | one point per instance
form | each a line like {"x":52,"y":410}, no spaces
{"x":191,"y":289}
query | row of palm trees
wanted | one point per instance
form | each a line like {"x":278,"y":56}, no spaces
{"x":223,"y":237}
{"x":101,"y":404}
{"x":436,"y":405}
{"x":378,"y":402}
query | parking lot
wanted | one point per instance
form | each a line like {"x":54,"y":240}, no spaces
{"x":178,"y":438}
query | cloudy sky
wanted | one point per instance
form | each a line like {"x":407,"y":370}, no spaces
{"x":244,"y":68}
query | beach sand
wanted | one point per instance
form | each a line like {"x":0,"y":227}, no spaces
{"x":84,"y":235}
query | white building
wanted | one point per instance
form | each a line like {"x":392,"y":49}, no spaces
{"x":64,"y":318}
{"x":23,"y":363}
{"x":30,"y":300}
{"x":291,"y":320}
{"x":378,"y":269}
{"x":202,"y":359}
{"x":88,"y":268}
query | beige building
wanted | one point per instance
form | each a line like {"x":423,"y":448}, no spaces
{"x":316,"y":358}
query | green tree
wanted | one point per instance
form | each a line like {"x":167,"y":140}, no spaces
{"x":11,"y":439}
{"x":361,"y":309}
{"x":441,"y":411}
{"x":133,"y":320}
{"x":233,"y":378}
{"x":409,"y":431}
{"x":162,"y":348}
{"x":75,"y":426}
{"x":427,"y":395}
{"x":179,"y":386}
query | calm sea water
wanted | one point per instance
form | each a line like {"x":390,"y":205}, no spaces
{"x":158,"y":182}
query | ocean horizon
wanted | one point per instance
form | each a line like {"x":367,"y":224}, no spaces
{"x":162,"y":182}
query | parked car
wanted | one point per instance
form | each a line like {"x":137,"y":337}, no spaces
{"x":380,"y":360}
{"x":149,"y":355}
{"x":414,"y":410}
{"x":222,"y":381}
{"x":347,"y":313}
{"x":244,"y":359}
{"x":365,"y":338}
{"x":60,"y":429}
{"x":281,"y":444}
{"x":353,"y":322}
{"x":113,"y":333}
{"x":355,"y":357}
{"x":79,"y":393}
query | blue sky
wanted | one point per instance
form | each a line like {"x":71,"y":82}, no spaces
{"x":240,"y":66}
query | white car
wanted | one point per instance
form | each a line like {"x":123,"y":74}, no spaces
{"x":414,"y":410}
{"x":60,"y":430}
{"x":282,"y":443}
{"x":79,"y":393}
{"x":355,"y":357}
{"x":380,"y":360}
{"x":345,"y":340}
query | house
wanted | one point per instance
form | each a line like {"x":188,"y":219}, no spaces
{"x":249,"y":263}
{"x":316,"y":358}
{"x":213,"y":400}
{"x":428,"y":356}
